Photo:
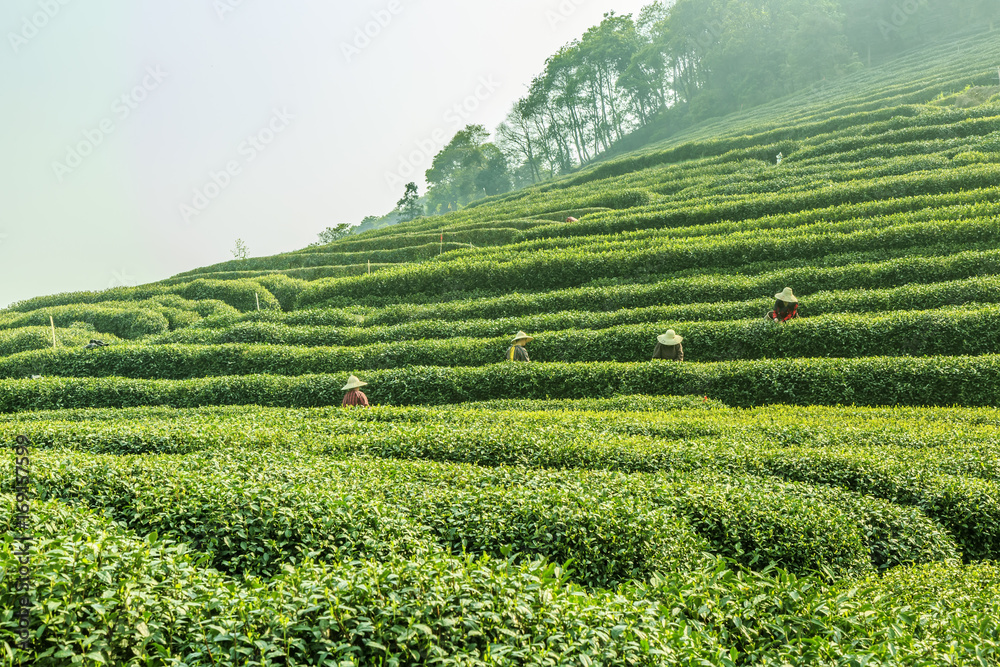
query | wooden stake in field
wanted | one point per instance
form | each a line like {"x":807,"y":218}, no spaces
{"x":53,"y":323}
{"x":257,"y":297}
{"x":369,"y":267}
{"x":442,"y":244}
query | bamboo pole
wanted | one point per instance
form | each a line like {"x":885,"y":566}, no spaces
{"x":53,"y":323}
{"x":442,"y":244}
{"x":257,"y":297}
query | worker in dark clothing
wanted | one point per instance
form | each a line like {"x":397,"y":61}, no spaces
{"x":517,"y":351}
{"x":94,"y":343}
{"x":354,"y":396}
{"x":668,"y":346}
{"x":786,"y":306}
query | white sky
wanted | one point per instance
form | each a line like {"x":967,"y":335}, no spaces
{"x":91,"y":184}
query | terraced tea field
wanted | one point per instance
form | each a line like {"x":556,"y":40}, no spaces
{"x":822,"y":492}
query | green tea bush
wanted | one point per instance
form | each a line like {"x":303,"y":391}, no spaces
{"x":284,"y":288}
{"x":238,"y":294}
{"x":968,"y":508}
{"x":128,"y":323}
{"x":625,"y":199}
{"x":955,"y":333}
{"x":637,"y":403}
{"x":969,"y":157}
{"x":306,"y":274}
{"x":900,"y":272}
{"x":872,"y":381}
{"x":760,"y":524}
{"x":16,"y":341}
{"x":615,"y":336}
{"x":242,"y":295}
{"x":110,"y":611}
{"x":246,"y":515}
{"x":609,"y":540}
{"x":753,"y":206}
{"x":568,"y":267}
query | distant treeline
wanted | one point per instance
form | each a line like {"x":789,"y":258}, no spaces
{"x":678,"y":62}
{"x":705,"y":58}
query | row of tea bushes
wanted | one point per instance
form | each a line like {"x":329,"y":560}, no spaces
{"x":753,"y":206}
{"x":970,"y":381}
{"x":866,"y":215}
{"x":101,"y":607}
{"x":570,"y":267}
{"x":252,"y":512}
{"x":700,"y":287}
{"x":972,"y":293}
{"x":243,"y":295}
{"x":27,"y":339}
{"x":943,"y":333}
{"x":97,"y":575}
{"x":825,"y":447}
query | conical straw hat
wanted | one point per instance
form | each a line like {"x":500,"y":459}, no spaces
{"x":353,"y":383}
{"x":523,"y":336}
{"x":786,"y":296}
{"x":669,"y":338}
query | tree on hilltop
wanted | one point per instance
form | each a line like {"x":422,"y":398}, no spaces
{"x":468,"y":168}
{"x":409,"y":206}
{"x":240,"y":250}
{"x":331,"y":234}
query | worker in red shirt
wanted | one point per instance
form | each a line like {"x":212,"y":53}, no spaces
{"x":354,"y":394}
{"x":786,"y":306}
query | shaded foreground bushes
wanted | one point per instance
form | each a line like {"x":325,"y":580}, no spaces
{"x":132,"y":600}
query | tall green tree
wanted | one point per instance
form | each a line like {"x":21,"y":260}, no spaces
{"x":409,"y":206}
{"x":680,"y":61}
{"x":494,"y":177}
{"x":606,"y":51}
{"x":467,"y":168}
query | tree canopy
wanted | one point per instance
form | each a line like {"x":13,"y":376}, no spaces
{"x":468,"y":168}
{"x":681,"y":61}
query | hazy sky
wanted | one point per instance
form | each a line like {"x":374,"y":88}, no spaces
{"x":141,"y":138}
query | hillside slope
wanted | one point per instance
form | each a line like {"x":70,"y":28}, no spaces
{"x":820,"y":492}
{"x":879,"y":213}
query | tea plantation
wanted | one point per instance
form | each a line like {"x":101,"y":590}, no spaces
{"x":820,"y":492}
